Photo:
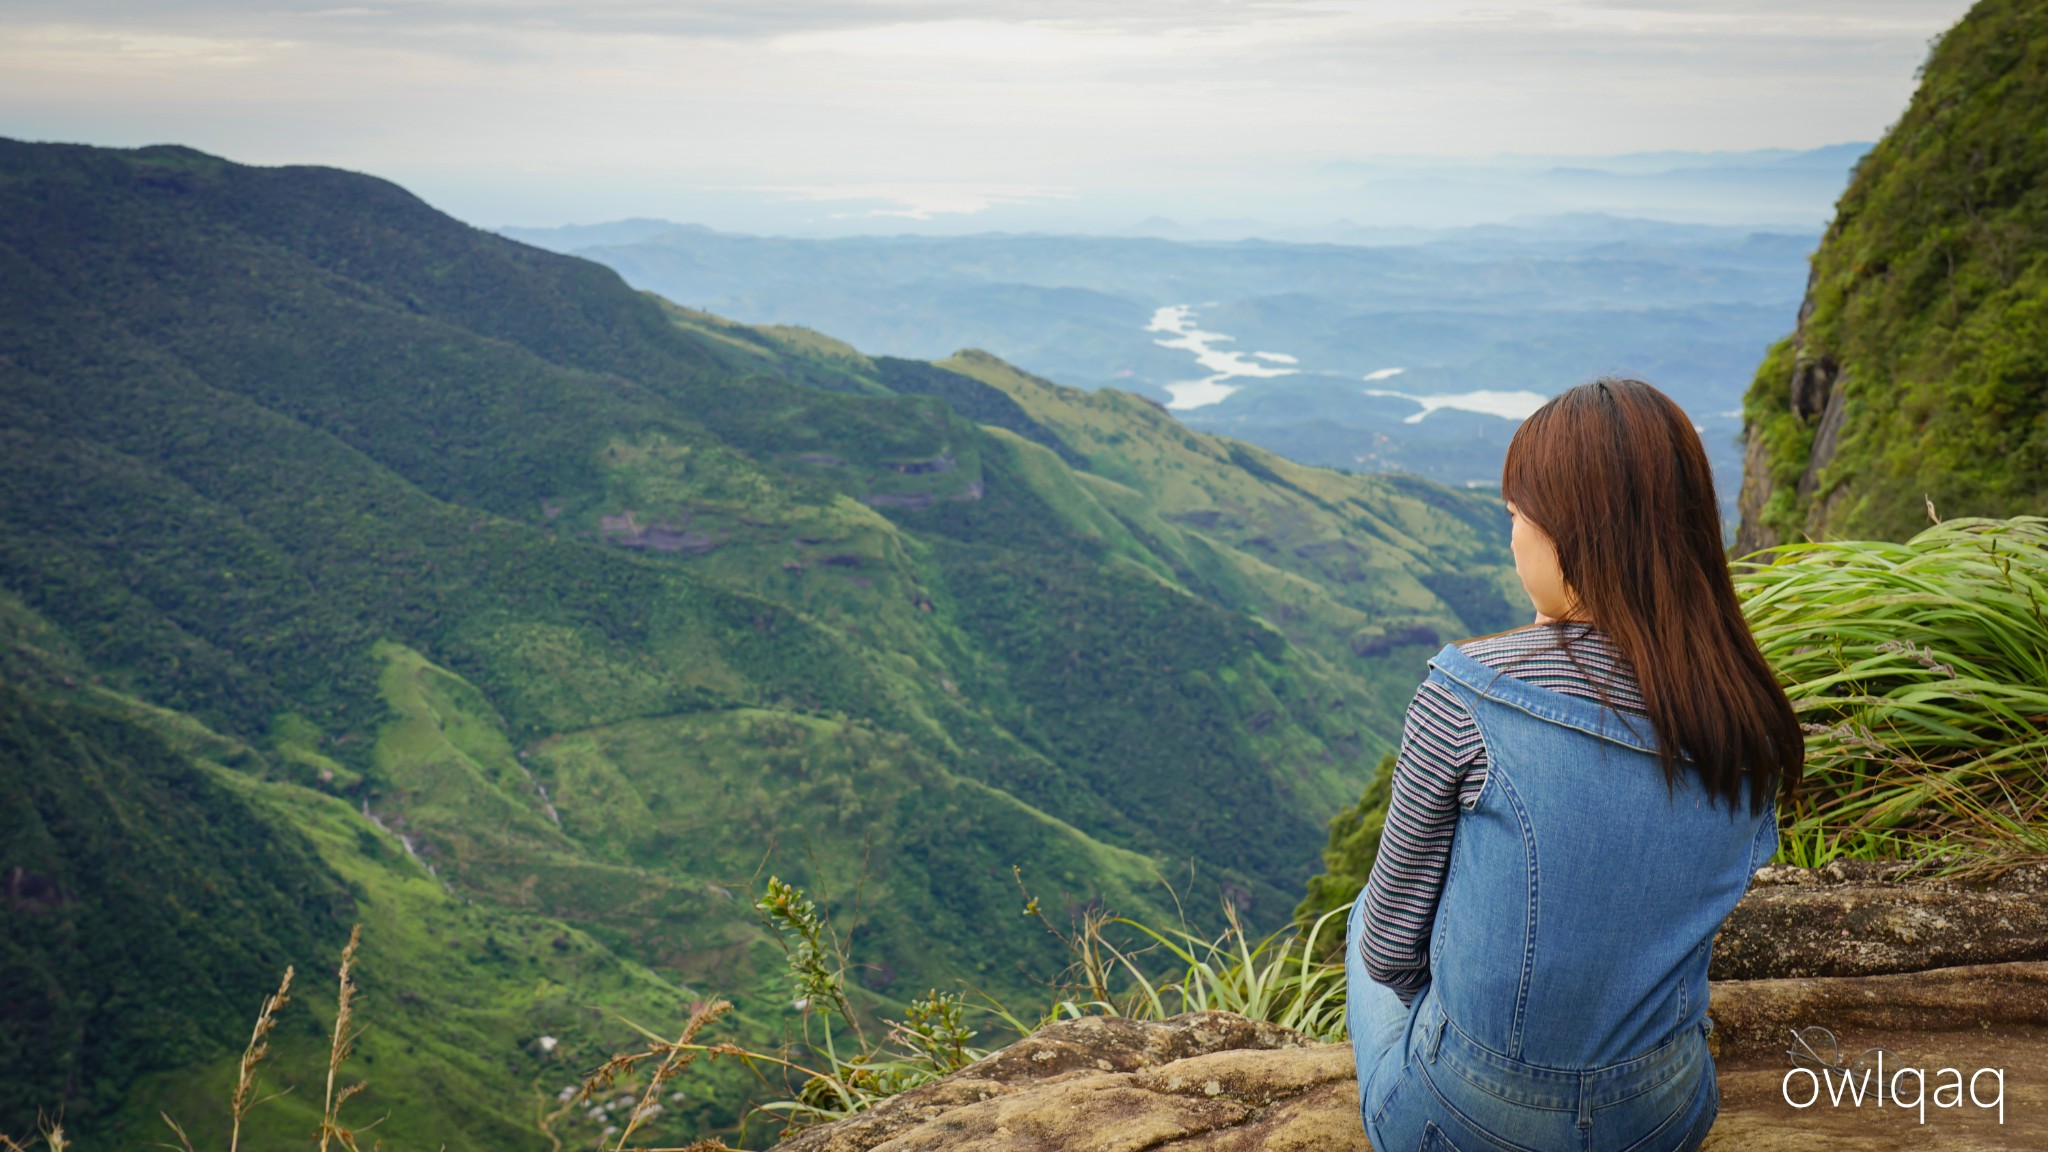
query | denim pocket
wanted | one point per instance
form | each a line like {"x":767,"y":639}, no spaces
{"x":1709,"y":1113}
{"x":1485,"y":1128}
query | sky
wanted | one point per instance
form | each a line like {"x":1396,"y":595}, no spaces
{"x":891,"y":115}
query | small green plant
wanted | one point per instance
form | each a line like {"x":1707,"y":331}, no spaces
{"x":1282,"y":979}
{"x":930,"y":1043}
{"x":936,"y":1029}
{"x":1813,"y":846}
{"x":817,"y":966}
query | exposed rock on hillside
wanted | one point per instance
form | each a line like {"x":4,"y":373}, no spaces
{"x":1991,"y":1016}
{"x":1204,"y":1079}
{"x":1215,"y":1081}
{"x":1218,"y":1082}
{"x":1751,"y":1016}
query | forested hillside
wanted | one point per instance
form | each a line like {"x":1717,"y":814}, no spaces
{"x":1919,"y":369}
{"x":358,"y":565}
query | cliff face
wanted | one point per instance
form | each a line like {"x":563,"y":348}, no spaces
{"x":1917,"y":375}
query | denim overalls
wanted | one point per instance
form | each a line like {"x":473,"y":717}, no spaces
{"x":1567,"y":1008}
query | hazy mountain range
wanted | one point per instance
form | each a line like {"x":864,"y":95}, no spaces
{"x":1346,"y":201}
{"x":1416,"y":353}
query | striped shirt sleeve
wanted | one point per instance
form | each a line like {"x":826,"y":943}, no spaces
{"x":1439,"y":742}
{"x":1440,"y":770}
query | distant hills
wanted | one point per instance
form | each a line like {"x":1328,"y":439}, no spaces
{"x":357,"y":565}
{"x":1320,"y":352}
{"x":1918,"y":371}
{"x":1766,"y":189}
{"x":1366,"y":200}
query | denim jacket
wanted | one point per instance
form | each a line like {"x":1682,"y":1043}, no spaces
{"x":1568,"y":960}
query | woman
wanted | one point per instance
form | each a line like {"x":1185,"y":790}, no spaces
{"x":1577,"y":805}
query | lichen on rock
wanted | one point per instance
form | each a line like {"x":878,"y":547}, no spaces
{"x":1869,"y":918}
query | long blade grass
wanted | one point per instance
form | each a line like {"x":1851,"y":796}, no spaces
{"x":1278,"y":979}
{"x":1920,"y":673}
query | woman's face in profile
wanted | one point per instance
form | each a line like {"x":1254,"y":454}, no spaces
{"x":1536,"y":564}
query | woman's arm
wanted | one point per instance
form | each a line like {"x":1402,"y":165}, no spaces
{"x":1441,"y":752}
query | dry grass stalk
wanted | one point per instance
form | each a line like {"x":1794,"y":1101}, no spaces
{"x":52,"y":1136}
{"x":182,"y":1138}
{"x":674,"y":1058}
{"x":252,"y":1056}
{"x":542,"y":1118}
{"x":339,"y":1049}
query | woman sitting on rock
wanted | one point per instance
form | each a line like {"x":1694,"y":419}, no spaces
{"x":1577,"y":805}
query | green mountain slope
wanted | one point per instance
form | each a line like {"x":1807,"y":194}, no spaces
{"x":553,"y":616}
{"x":143,"y":903}
{"x":1919,"y":370}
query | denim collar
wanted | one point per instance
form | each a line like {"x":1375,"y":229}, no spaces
{"x":1588,"y":716}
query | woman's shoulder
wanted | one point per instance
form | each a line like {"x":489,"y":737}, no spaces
{"x":1571,"y":657}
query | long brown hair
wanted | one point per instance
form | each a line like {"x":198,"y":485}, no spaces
{"x":1613,"y":472}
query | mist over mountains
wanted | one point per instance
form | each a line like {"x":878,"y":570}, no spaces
{"x":1365,"y":200}
{"x":1417,"y":352}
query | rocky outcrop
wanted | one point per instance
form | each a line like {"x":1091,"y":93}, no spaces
{"x":1221,"y":1083}
{"x":1876,"y":958}
{"x":1819,"y":400}
{"x":1983,"y":1017}
{"x":1751,"y":1017}
{"x":1201,"y":1080}
{"x":1854,"y":918}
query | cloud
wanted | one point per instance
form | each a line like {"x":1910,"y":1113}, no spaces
{"x":61,"y":47}
{"x":981,"y":41}
{"x":946,"y":108}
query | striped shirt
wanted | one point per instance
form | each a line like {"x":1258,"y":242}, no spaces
{"x":1438,"y":773}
